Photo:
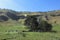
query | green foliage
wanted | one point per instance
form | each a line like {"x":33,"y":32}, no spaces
{"x":35,"y":25}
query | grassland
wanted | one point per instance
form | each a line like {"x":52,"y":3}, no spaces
{"x":13,"y":31}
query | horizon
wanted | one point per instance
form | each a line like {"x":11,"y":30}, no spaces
{"x":29,"y":11}
{"x":30,"y":5}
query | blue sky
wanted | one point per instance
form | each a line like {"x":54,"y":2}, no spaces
{"x":30,"y":5}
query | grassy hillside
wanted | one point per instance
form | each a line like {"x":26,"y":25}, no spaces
{"x":7,"y":15}
{"x":14,"y":32}
{"x":12,"y":28}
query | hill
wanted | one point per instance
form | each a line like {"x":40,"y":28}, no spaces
{"x":11,"y":29}
{"x":7,"y":14}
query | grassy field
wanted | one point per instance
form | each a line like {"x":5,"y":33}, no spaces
{"x":14,"y":32}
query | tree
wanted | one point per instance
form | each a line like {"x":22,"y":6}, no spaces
{"x":34,"y":25}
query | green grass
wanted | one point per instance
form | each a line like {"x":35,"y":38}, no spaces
{"x":5,"y":34}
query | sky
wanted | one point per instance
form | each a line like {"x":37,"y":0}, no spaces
{"x":30,"y":5}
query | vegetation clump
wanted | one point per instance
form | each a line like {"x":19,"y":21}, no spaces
{"x":34,"y":25}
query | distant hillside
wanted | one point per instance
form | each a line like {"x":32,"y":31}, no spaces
{"x":7,"y":14}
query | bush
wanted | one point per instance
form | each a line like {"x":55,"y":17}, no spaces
{"x":34,"y":25}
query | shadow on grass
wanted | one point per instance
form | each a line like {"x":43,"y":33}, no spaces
{"x":41,"y":31}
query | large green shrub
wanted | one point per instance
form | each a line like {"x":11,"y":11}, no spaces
{"x":34,"y":25}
